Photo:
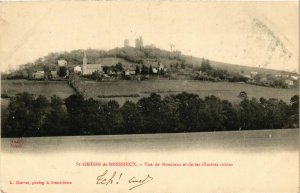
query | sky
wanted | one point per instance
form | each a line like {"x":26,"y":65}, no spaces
{"x":260,"y":34}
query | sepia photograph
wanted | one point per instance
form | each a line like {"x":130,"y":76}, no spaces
{"x":149,"y":96}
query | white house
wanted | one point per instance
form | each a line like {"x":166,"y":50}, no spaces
{"x":130,"y":71}
{"x":289,"y":83}
{"x":127,"y":72}
{"x":154,"y":70}
{"x":253,"y":73}
{"x":62,"y":63}
{"x":161,"y":67}
{"x":294,"y":77}
{"x":158,"y":68}
{"x":38,"y":75}
{"x":77,"y":69}
{"x":54,"y":74}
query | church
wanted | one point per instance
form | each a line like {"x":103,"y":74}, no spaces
{"x":88,"y":69}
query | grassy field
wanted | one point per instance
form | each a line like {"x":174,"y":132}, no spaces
{"x":111,"y":61}
{"x":12,"y":87}
{"x":223,"y":90}
{"x":47,"y":88}
{"x":122,"y":91}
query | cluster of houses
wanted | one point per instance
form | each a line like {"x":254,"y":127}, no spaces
{"x":107,"y":72}
{"x":284,"y":80}
{"x":52,"y":74}
{"x":289,"y":80}
{"x":133,"y":72}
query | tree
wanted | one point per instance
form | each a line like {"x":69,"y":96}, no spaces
{"x":40,"y":109}
{"x":275,"y":113}
{"x":150,"y":70}
{"x":191,"y":112}
{"x":205,"y":66}
{"x":94,"y":116}
{"x":214,"y":108}
{"x":119,"y":66}
{"x":230,"y":116}
{"x":137,"y":69}
{"x":56,"y":120}
{"x":29,"y":115}
{"x":47,"y":72}
{"x":26,"y":115}
{"x":295,"y":104}
{"x":257,"y":77}
{"x":243,"y":95}
{"x":75,"y":105}
{"x":293,"y":119}
{"x":113,"y":117}
{"x":150,"y":108}
{"x":105,"y":69}
{"x":145,"y":70}
{"x":19,"y":115}
{"x":96,"y":75}
{"x":62,"y":71}
{"x":252,"y":114}
{"x":170,"y":120}
{"x":131,"y":117}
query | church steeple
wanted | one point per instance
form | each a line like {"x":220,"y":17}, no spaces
{"x":84,"y":60}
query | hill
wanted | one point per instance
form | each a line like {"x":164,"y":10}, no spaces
{"x":133,"y":56}
{"x":235,"y":68}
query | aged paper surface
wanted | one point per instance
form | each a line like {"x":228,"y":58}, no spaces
{"x":262,"y":35}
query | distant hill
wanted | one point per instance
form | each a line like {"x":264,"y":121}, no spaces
{"x":134,"y":56}
{"x":235,"y":68}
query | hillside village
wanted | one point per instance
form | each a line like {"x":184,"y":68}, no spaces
{"x":144,"y":62}
{"x":99,"y":71}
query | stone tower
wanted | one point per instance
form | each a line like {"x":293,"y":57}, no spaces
{"x":126,"y":43}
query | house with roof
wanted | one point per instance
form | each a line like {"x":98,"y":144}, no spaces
{"x":40,"y":74}
{"x":253,"y":73}
{"x":130,"y":71}
{"x":77,"y":69}
{"x":62,"y":62}
{"x":54,"y":74}
{"x":294,"y":77}
{"x":158,"y":68}
{"x":289,"y":83}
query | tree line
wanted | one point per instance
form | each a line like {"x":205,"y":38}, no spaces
{"x":29,"y":116}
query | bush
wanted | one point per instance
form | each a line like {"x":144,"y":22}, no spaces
{"x":4,"y":96}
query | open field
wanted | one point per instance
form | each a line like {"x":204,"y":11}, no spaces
{"x":224,"y":90}
{"x":47,"y":88}
{"x":122,"y":90}
{"x":12,"y":87}
{"x":111,"y":61}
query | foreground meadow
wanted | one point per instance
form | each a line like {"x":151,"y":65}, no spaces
{"x":262,"y":161}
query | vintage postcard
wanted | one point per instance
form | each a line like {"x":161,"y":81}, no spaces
{"x":149,"y":96}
